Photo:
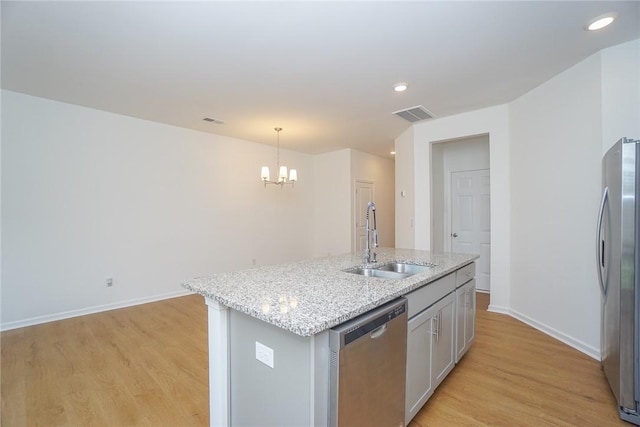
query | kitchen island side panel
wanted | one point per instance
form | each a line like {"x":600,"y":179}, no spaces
{"x":265,"y":396}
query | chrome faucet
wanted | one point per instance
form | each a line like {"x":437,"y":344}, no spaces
{"x":367,"y":250}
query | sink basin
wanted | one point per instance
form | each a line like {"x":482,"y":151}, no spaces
{"x":374,"y":272}
{"x":404,"y":268}
{"x":390,"y":270}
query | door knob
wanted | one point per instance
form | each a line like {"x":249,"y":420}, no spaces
{"x":454,"y":235}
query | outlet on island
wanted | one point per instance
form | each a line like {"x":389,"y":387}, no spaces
{"x":264,"y":354}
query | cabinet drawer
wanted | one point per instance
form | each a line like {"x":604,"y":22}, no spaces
{"x":423,"y":297}
{"x":465,"y":274}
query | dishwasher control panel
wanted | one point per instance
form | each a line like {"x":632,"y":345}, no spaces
{"x":366,"y":323}
{"x":360,"y":330}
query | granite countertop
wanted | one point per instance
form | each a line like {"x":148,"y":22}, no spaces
{"x":308,"y":297}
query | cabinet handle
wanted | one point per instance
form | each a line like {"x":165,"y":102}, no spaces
{"x":434,"y":329}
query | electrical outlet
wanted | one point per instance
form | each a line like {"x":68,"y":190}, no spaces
{"x":253,"y":261}
{"x":264,"y":354}
{"x":109,"y":282}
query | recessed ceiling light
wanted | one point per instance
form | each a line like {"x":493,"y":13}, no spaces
{"x":400,"y":87}
{"x":601,"y":21}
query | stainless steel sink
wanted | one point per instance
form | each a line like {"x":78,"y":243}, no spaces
{"x":374,"y":272}
{"x":390,"y":270}
{"x":405,"y":268}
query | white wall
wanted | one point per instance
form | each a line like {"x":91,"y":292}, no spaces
{"x":555,"y":179}
{"x":332,"y":215}
{"x":564,"y":127}
{"x":620,"y":93}
{"x":88,"y":195}
{"x":405,"y":186}
{"x":381,"y":172}
{"x":335,"y":175}
{"x":438,"y":201}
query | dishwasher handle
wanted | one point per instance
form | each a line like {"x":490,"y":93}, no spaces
{"x":377,"y":333}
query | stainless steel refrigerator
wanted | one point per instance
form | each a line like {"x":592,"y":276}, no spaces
{"x":618,"y":257}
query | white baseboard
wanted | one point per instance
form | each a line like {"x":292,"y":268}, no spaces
{"x":498,"y":309}
{"x":560,"y":336}
{"x":89,"y":310}
{"x":548,"y":330}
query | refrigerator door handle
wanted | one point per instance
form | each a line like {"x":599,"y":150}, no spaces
{"x":600,"y":249}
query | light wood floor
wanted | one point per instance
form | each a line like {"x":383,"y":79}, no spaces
{"x":515,"y":375}
{"x":138,"y":366}
{"x":147,"y":366}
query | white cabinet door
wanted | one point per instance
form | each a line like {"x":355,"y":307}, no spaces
{"x":470,"y":324}
{"x":443,"y":352}
{"x":465,"y":318}
{"x":461,"y":322}
{"x":432,"y":337}
{"x":419,"y":341}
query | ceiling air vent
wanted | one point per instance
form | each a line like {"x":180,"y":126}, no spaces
{"x":212,"y":120}
{"x":414,"y":114}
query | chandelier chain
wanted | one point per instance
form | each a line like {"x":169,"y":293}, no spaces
{"x":278,"y":156}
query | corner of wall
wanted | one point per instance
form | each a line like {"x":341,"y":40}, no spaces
{"x":404,"y":189}
{"x":332,"y":203}
{"x":620,"y":89}
{"x":380,"y":171}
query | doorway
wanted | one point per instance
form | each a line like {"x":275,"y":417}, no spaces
{"x":363,"y":195}
{"x":460,"y":197}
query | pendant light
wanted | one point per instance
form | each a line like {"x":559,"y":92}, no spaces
{"x":282,"y":171}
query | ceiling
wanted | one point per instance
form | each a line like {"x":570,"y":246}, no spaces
{"x":323,"y":71}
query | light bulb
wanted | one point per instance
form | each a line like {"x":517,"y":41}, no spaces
{"x":601,"y":21}
{"x":283,"y":173}
{"x":265,"y":173}
{"x":400,"y":87}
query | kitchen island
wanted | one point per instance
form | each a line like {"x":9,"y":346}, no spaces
{"x":281,"y":315}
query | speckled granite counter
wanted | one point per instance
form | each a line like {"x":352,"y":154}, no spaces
{"x":308,"y":297}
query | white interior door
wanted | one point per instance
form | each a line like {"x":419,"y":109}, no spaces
{"x":364,"y":195}
{"x":471,"y":220}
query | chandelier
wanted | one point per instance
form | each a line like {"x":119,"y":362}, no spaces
{"x":282,"y":171}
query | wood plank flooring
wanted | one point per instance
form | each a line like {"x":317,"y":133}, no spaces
{"x":147,"y":366}
{"x":515,"y":375}
{"x":139,"y":366}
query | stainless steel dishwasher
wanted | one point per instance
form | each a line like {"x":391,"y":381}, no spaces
{"x":368,"y":368}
